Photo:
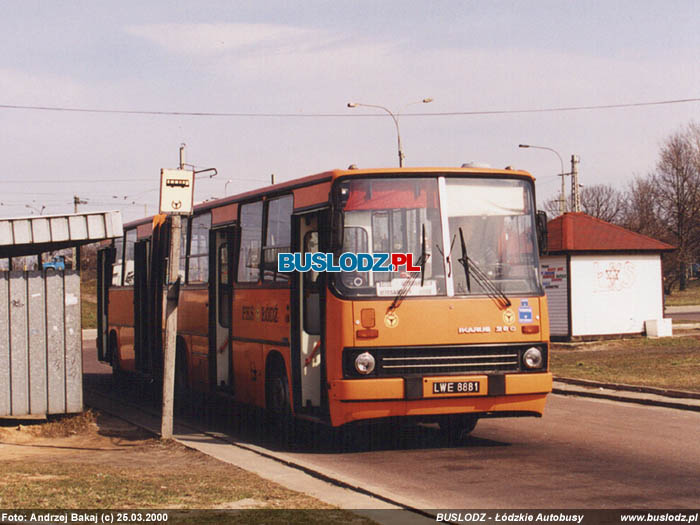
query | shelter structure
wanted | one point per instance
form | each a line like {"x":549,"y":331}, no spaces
{"x":40,"y":319}
{"x":601,"y":279}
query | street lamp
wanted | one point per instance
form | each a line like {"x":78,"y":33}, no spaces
{"x":395,"y":118}
{"x":226,"y":187}
{"x":562,"y":202}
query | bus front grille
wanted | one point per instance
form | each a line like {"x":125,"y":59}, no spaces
{"x":438,"y":360}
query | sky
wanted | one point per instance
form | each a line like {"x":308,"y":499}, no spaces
{"x":287,"y":69}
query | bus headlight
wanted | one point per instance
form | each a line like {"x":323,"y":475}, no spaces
{"x":364,"y":363}
{"x":532,"y":358}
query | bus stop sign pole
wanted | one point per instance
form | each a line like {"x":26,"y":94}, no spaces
{"x":176,"y":199}
{"x":170,"y":299}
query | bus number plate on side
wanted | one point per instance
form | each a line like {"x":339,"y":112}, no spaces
{"x":456,"y":388}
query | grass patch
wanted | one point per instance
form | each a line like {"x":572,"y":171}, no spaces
{"x":672,"y":363}
{"x":88,"y":302}
{"x":691,"y":295}
{"x":93,"y":461}
{"x":65,"y":426}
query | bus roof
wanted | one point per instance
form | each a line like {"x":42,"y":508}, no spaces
{"x":329,"y":176}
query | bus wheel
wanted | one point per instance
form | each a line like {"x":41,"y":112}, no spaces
{"x":181,"y":390}
{"x":456,"y":429}
{"x":278,"y":414}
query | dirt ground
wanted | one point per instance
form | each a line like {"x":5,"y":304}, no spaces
{"x":98,"y":461}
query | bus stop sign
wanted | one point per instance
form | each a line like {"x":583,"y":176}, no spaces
{"x":176,"y":191}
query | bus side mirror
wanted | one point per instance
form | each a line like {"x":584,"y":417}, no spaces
{"x":541,"y":224}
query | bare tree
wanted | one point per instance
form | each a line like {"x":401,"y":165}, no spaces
{"x":603,"y":202}
{"x":676,"y":183}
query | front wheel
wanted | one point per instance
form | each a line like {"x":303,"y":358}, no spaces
{"x":456,"y":429}
{"x":278,"y":413}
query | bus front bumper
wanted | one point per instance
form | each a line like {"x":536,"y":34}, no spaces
{"x":360,"y":399}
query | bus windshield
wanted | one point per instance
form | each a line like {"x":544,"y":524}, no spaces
{"x":389,"y":215}
{"x":495,"y":220}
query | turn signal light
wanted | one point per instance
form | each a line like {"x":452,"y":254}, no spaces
{"x":367,"y":333}
{"x":530,"y":329}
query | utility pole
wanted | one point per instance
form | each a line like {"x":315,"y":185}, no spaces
{"x":575,"y":193}
{"x":170,"y":303}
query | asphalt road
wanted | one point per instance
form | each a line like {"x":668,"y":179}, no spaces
{"x":583,"y":453}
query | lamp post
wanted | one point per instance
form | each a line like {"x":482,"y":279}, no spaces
{"x":395,"y":118}
{"x":226,"y":187}
{"x":562,"y":202}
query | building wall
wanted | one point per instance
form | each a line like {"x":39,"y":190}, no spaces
{"x":555,"y":281}
{"x":614,"y":294}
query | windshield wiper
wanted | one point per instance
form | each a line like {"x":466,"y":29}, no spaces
{"x":408,"y":283}
{"x":484,"y":280}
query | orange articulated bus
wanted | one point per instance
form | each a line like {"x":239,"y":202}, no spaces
{"x":465,"y":337}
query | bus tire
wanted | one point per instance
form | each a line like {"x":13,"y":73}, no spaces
{"x":456,"y":429}
{"x":278,"y":414}
{"x":181,"y":390}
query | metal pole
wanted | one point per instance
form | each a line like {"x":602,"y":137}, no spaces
{"x":562,"y":198}
{"x":170,"y":301}
{"x":575,"y":193}
{"x":170,"y":343}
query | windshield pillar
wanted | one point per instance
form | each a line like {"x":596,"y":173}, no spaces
{"x":447,"y":261}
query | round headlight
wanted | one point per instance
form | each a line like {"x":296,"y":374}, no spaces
{"x":364,"y":363}
{"x":532,"y":358}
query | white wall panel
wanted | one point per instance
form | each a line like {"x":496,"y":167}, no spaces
{"x":614,"y":294}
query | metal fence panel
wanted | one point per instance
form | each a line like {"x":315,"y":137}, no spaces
{"x":5,"y":399}
{"x":19,"y":355}
{"x":74,"y":342}
{"x":56,"y":343}
{"x":36,"y":303}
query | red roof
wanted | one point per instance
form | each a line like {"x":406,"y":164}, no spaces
{"x":579,"y":232}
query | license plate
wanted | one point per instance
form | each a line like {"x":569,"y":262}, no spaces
{"x":459,"y":388}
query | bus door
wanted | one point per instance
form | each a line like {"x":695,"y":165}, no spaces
{"x":141,"y":306}
{"x":307,"y":326}
{"x":105,"y":258}
{"x":221,"y":252}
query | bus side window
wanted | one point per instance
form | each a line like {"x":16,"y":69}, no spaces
{"x":198,"y":258}
{"x":277,"y":236}
{"x":128,"y":267}
{"x":251,"y":236}
{"x":118,"y":262}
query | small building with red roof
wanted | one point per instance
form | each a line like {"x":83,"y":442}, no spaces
{"x":600,"y":279}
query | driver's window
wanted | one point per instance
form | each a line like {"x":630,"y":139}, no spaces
{"x":355,"y":240}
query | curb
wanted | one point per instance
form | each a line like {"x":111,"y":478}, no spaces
{"x":627,"y":393}
{"x":629,"y":388}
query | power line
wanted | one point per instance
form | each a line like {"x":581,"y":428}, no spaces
{"x":344,"y":115}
